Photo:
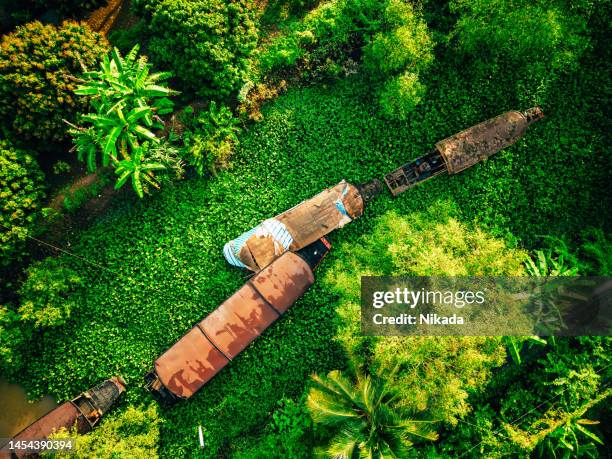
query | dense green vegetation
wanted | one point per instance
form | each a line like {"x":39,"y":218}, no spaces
{"x":206,"y":43}
{"x":128,"y":102}
{"x":38,"y":69}
{"x":155,"y":266}
{"x":391,"y":35}
{"x":362,"y":417}
{"x":134,"y":433}
{"x":21,"y":190}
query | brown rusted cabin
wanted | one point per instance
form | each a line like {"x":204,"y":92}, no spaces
{"x":297,"y":227}
{"x":213,"y":342}
{"x":83,"y":412}
{"x":463,"y":150}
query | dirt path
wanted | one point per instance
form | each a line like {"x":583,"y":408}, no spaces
{"x":57,"y":203}
{"x":102,"y":19}
{"x":116,"y":15}
{"x":61,"y":229}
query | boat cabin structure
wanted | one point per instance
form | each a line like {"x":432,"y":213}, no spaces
{"x":296,"y":228}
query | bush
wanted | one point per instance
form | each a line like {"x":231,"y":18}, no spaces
{"x":45,"y":302}
{"x":133,"y":433}
{"x":523,"y":406}
{"x":39,"y":65}
{"x":45,"y":295}
{"x":541,"y":39}
{"x":12,"y":338}
{"x":433,"y":373}
{"x":401,"y":94}
{"x":206,"y":43}
{"x":391,"y":35}
{"x":21,"y":191}
{"x":403,"y":42}
{"x":504,"y":28}
{"x":209,"y":146}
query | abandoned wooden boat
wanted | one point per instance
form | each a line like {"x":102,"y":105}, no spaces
{"x":299,"y":226}
{"x":460,"y":151}
{"x":83,"y":413}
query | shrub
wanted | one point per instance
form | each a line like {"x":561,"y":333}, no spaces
{"x":209,"y":146}
{"x":401,"y":94}
{"x":391,"y":35}
{"x":133,"y":433}
{"x":505,"y":29}
{"x":433,"y":373}
{"x":403,"y":42}
{"x":526,"y":406}
{"x":540,"y":40}
{"x":45,"y":295}
{"x":11,"y":339}
{"x":38,"y":69}
{"x":45,"y":302}
{"x":21,"y":191}
{"x":206,"y":43}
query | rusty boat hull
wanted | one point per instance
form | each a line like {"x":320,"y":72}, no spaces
{"x":82,"y":413}
{"x":216,"y":340}
{"x":297,"y":227}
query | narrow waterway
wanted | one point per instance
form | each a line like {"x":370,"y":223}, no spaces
{"x":16,"y":411}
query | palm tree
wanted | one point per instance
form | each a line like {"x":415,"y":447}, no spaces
{"x":363,"y":417}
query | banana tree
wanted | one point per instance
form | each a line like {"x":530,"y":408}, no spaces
{"x":120,"y":130}
{"x":128,"y":101}
{"x":139,"y":170}
{"x":127,"y":82}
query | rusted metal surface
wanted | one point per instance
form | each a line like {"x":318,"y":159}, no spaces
{"x":189,"y":364}
{"x":329,"y":210}
{"x":209,"y":346}
{"x":241,"y":319}
{"x":297,"y":227}
{"x":284,"y":281}
{"x":83,"y":412}
{"x":471,"y":146}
